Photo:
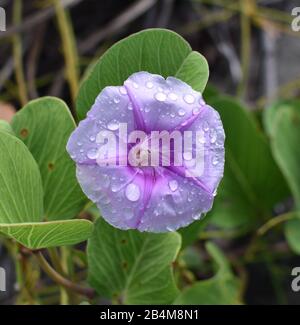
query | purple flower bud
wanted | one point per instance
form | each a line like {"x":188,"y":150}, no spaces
{"x":150,"y":154}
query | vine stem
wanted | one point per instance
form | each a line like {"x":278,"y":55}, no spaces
{"x":275,"y":221}
{"x":59,"y":279}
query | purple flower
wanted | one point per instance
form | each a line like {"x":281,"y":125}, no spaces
{"x":134,"y":183}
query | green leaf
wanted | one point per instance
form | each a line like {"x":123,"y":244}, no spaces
{"x":5,"y":126}
{"x":48,"y":234}
{"x":221,"y":289}
{"x":270,"y":113}
{"x":21,"y":192}
{"x":45,"y":126}
{"x":252,"y":182}
{"x":130,"y":267}
{"x":284,"y":126}
{"x":282,"y":121}
{"x":21,"y":203}
{"x":194,"y":71}
{"x":157,"y":51}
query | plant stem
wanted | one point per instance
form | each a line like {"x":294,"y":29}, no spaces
{"x":246,"y":11}
{"x":59,"y":279}
{"x":275,"y":221}
{"x":17,"y":54}
{"x":69,"y":48}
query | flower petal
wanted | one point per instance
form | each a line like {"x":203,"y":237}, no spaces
{"x":161,"y":104}
{"x":111,"y":108}
{"x":117,"y":191}
{"x":175,"y":202}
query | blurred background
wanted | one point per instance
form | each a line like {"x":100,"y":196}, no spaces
{"x":251,"y":48}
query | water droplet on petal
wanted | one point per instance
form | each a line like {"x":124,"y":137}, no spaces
{"x":161,"y":97}
{"x":215,"y":161}
{"x":123,"y":91}
{"x":92,"y":138}
{"x":149,"y":85}
{"x":117,"y":100}
{"x":189,"y":99}
{"x":173,"y":185}
{"x":73,"y":156}
{"x":213,"y":136}
{"x":181,"y":112}
{"x":172,"y":96}
{"x":92,"y":154}
{"x":132,"y":192}
{"x":169,"y":228}
{"x":201,"y":139}
{"x":115,"y":188}
{"x":130,"y":107}
{"x":201,"y":101}
{"x":79,"y":144}
{"x":196,"y":111}
{"x":113,"y":125}
{"x":135,"y":85}
{"x":196,"y":216}
{"x":205,"y":126}
{"x":147,"y":109}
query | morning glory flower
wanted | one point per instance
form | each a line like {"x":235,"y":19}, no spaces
{"x":150,"y":154}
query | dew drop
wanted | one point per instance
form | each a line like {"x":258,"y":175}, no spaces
{"x":147,"y":109}
{"x":123,"y":91}
{"x":196,"y":111}
{"x":201,"y":139}
{"x":213,"y":136}
{"x":132,"y":192}
{"x":92,"y":138}
{"x":173,"y":185}
{"x":172,"y":96}
{"x":135,"y":85}
{"x":149,"y":85}
{"x":215,"y":161}
{"x":117,"y":100}
{"x":161,"y":97}
{"x":181,"y":112}
{"x":92,"y":154}
{"x":130,"y":107}
{"x":196,"y":216}
{"x":189,"y":99}
{"x":79,"y":144}
{"x":113,"y":125}
{"x":114,"y":188}
{"x":169,"y":228}
{"x":205,"y":126}
{"x":201,"y":101}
